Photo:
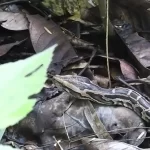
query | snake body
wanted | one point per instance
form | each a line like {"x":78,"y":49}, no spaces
{"x":83,"y":88}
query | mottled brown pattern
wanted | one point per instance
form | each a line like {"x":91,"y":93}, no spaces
{"x":82,"y":88}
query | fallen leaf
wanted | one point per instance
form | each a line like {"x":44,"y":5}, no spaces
{"x":95,"y":123}
{"x":6,"y":47}
{"x":13,"y":21}
{"x":137,"y":49}
{"x":127,"y":70}
{"x":140,"y":48}
{"x":41,"y":39}
{"x":104,"y":144}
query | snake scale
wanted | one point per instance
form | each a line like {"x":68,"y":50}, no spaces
{"x":83,"y":88}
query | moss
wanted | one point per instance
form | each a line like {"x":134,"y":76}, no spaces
{"x":61,"y":7}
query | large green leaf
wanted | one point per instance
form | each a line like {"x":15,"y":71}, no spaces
{"x":2,"y":131}
{"x":18,"y":81}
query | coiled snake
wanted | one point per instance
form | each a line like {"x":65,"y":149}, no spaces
{"x":82,"y":88}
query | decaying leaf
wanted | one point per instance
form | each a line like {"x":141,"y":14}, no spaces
{"x":44,"y":33}
{"x":6,"y":47}
{"x":13,"y":21}
{"x":102,"y":144}
{"x":140,"y":48}
{"x":127,"y":70}
{"x":71,"y":115}
{"x":95,"y":123}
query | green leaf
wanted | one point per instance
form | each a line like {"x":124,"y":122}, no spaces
{"x":5,"y":147}
{"x":18,"y":81}
{"x":2,"y":131}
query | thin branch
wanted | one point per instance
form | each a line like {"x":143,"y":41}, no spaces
{"x":65,"y":127}
{"x":107,"y":48}
{"x":103,"y":13}
{"x":57,"y":143}
{"x":93,"y":55}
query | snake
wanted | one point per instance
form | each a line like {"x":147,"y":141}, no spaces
{"x":83,"y":88}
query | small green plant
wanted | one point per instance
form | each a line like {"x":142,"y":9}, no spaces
{"x":20,"y":80}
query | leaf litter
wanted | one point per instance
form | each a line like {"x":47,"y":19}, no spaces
{"x":58,"y":120}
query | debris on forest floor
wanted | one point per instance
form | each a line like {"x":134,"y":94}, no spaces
{"x":90,"y":100}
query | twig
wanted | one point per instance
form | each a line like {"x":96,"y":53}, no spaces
{"x":58,"y":142}
{"x":107,"y":33}
{"x":65,"y":127}
{"x":104,"y":13}
{"x":103,"y":10}
{"x":93,"y":135}
{"x":141,"y":81}
{"x":82,"y":71}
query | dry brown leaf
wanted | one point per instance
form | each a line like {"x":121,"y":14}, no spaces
{"x":13,"y":21}
{"x":103,"y":144}
{"x":140,"y":48}
{"x":45,"y":33}
{"x":127,"y":70}
{"x":6,"y":47}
